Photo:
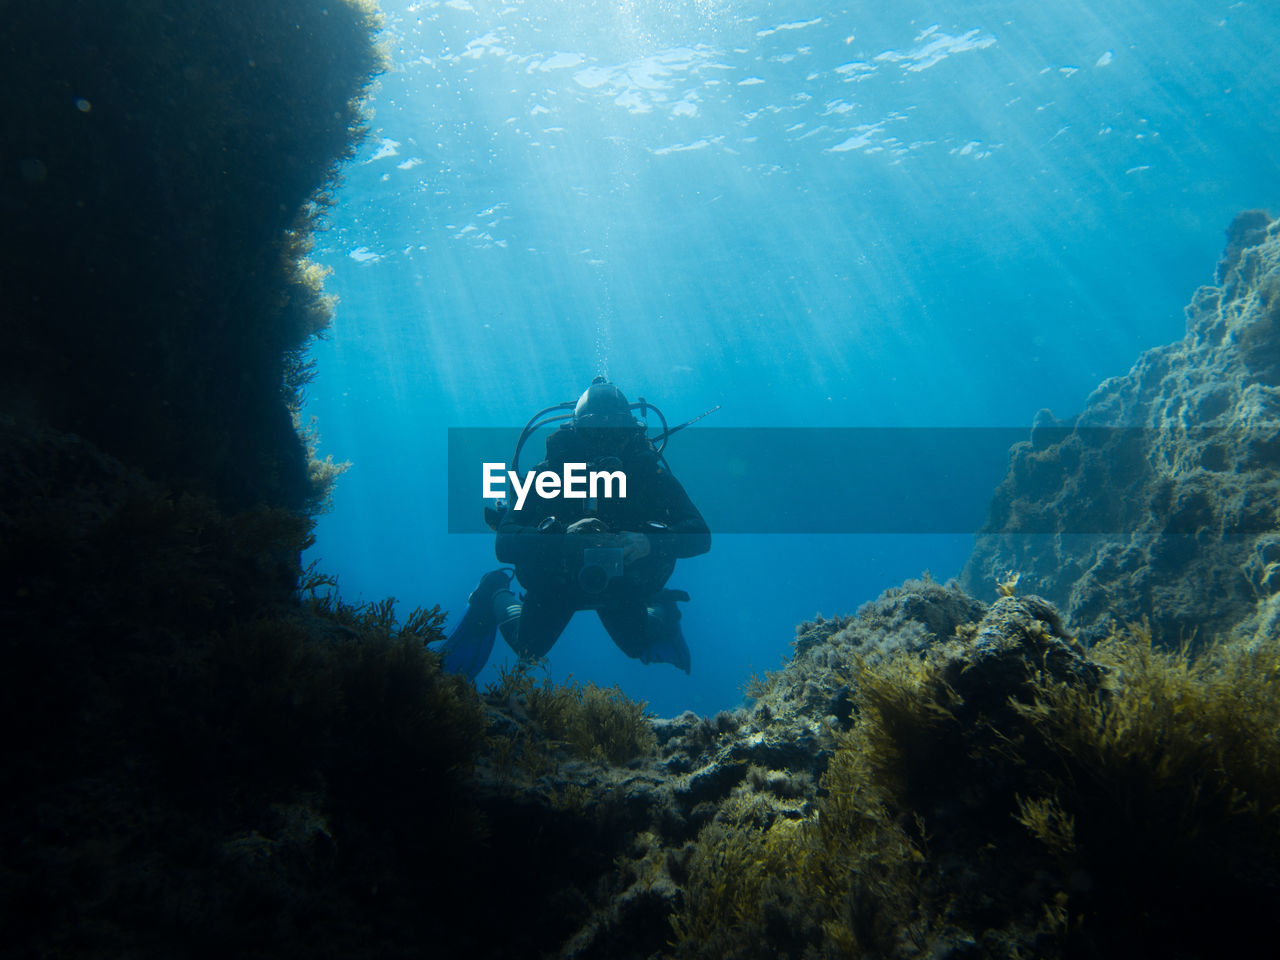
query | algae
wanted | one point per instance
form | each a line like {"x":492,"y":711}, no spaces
{"x":1128,"y":803}
{"x":593,"y":723}
{"x":189,"y":154}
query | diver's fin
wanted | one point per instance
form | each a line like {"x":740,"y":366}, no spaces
{"x":468,"y":647}
{"x":667,"y":644}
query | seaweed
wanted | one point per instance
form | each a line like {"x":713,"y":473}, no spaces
{"x":192,"y":753}
{"x":189,"y":154}
{"x":1134,"y":807}
{"x":598,"y":724}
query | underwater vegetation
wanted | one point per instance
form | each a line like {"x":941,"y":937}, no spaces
{"x":592,"y":723}
{"x":1005,"y":794}
{"x":194,"y":755}
{"x":198,"y":760}
{"x":163,"y":168}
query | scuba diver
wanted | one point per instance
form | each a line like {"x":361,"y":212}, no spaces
{"x":611,"y":554}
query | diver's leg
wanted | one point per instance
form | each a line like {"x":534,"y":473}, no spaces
{"x":662,"y":627}
{"x":649,"y":631}
{"x":531,"y":628}
{"x":507,"y":607}
{"x":627,"y":622}
{"x":468,"y":647}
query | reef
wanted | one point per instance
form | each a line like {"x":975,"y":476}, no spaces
{"x":1163,"y":491}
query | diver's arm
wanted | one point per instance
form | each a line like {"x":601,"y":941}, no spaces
{"x":686,"y":534}
{"x":522,"y":540}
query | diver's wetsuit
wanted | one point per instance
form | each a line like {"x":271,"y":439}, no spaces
{"x":635,"y":610}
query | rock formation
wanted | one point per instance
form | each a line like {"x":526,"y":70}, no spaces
{"x":1159,"y":500}
{"x":929,"y":778}
{"x":162,"y":173}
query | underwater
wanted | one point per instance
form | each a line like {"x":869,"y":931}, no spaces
{"x":662,"y":479}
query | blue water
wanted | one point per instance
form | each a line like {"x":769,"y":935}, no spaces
{"x":903,"y":214}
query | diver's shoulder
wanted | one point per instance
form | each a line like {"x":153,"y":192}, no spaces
{"x":561,"y":443}
{"x":643,"y":455}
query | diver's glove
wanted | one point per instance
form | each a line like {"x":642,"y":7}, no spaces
{"x":635,"y":546}
{"x":588,"y":525}
{"x":586,"y":534}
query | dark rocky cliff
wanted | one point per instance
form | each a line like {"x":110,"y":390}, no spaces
{"x":161,"y":167}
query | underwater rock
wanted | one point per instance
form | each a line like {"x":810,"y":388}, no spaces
{"x":634,"y":821}
{"x":1017,"y":634}
{"x":163,"y":171}
{"x":198,"y":761}
{"x":607,"y":841}
{"x":909,"y":617}
{"x":192,"y":753}
{"x":1158,"y":500}
{"x":1004,"y":792}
